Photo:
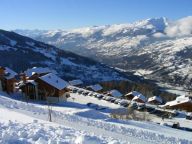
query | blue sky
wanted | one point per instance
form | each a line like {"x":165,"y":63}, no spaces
{"x":68,"y":14}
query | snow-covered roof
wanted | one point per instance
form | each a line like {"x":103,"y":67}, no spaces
{"x":139,"y":96}
{"x":115,"y":93}
{"x":96,"y":87}
{"x":32,"y":82}
{"x":75,"y":82}
{"x":179,"y":100}
{"x":9,"y":73}
{"x":38,"y":70}
{"x":54,"y":81}
{"x":157,"y":98}
{"x":134,"y":93}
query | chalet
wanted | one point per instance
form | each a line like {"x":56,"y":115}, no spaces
{"x":30,"y":89}
{"x":181,"y":103}
{"x":76,"y":82}
{"x":47,"y":87}
{"x":95,"y":88}
{"x":114,"y":93}
{"x":156,"y":100}
{"x":7,"y":79}
{"x":139,"y":98}
{"x":132,"y":94}
{"x":36,"y":72}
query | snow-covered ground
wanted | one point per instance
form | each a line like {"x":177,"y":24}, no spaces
{"x":75,"y":123}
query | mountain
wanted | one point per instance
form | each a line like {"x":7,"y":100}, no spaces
{"x":156,"y":48}
{"x":19,"y":53}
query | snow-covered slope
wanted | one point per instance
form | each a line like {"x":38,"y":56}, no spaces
{"x":155,"y":45}
{"x":74,"y":123}
{"x":20,"y":53}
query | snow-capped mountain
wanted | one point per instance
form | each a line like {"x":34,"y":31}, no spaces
{"x":156,"y":48}
{"x":19,"y":53}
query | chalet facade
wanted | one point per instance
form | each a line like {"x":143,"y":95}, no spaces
{"x":47,"y":87}
{"x":181,"y":103}
{"x":7,"y":80}
{"x":155,"y":100}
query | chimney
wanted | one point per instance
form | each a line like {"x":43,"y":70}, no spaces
{"x":2,"y":71}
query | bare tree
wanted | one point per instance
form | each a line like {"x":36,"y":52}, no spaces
{"x":47,"y":94}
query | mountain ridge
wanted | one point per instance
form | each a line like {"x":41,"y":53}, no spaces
{"x":157,"y":45}
{"x":20,"y":52}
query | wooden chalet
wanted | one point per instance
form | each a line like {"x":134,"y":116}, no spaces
{"x":7,"y":80}
{"x":131,"y":95}
{"x":155,"y":100}
{"x":181,"y":103}
{"x":139,"y":98}
{"x":47,"y":87}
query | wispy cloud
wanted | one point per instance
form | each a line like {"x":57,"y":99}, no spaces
{"x":181,"y":27}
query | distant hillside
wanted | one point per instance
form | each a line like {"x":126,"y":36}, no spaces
{"x":156,"y":48}
{"x":20,"y":52}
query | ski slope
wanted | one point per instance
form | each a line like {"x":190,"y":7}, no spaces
{"x":75,"y":123}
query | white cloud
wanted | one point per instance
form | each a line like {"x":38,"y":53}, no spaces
{"x":181,"y":27}
{"x":159,"y":35}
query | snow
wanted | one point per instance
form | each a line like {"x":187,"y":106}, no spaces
{"x":74,"y":123}
{"x":157,"y":98}
{"x":54,"y":81}
{"x":75,"y":82}
{"x":137,"y":95}
{"x":134,"y":93}
{"x":115,"y":93}
{"x":67,"y":62}
{"x":10,"y":73}
{"x":141,"y":97}
{"x":38,"y":70}
{"x":179,"y":100}
{"x":28,"y":81}
{"x":96,"y":87}
{"x":160,"y":40}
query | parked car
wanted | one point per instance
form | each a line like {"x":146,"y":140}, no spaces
{"x":109,"y":98}
{"x":74,"y":90}
{"x":80,"y":91}
{"x":189,"y":116}
{"x":95,"y":95}
{"x":105,"y":97}
{"x":113,"y":100}
{"x":117,"y":101}
{"x":124,"y":103}
{"x":100,"y":96}
{"x":90,"y":94}
{"x":85,"y":93}
{"x":133,"y":105}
